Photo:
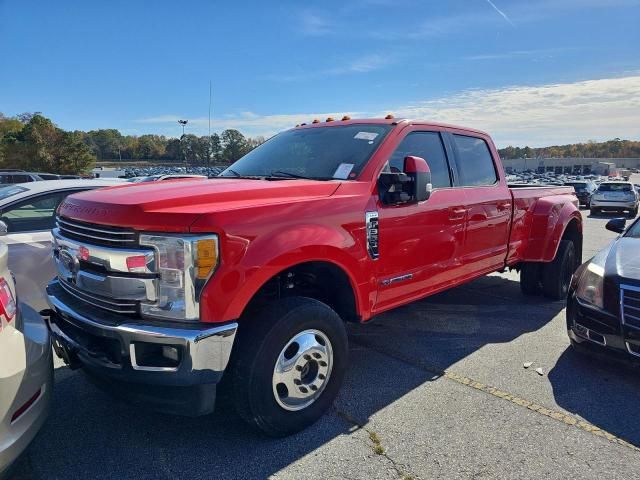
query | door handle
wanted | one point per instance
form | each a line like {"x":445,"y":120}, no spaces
{"x":504,"y":206}
{"x":457,"y":213}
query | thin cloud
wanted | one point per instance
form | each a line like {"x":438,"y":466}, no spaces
{"x":364,"y":64}
{"x":539,"y":53}
{"x":502,"y":14}
{"x":518,"y":115}
{"x":313,"y":24}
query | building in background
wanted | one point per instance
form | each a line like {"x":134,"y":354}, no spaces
{"x":573,"y":166}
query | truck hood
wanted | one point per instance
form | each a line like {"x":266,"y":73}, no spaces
{"x":172,"y":206}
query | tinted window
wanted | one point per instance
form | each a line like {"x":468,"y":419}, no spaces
{"x":20,"y":178}
{"x":475,"y":162}
{"x":427,"y":145}
{"x":615,"y":187}
{"x":34,"y":214}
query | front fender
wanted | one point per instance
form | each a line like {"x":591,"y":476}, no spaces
{"x":248,"y":263}
{"x":551,"y":216}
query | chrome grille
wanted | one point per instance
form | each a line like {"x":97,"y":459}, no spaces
{"x":126,"y":307}
{"x":97,"y":234}
{"x":630,"y":305}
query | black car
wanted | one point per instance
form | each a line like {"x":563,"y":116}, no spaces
{"x":603,"y":305}
{"x":584,"y":190}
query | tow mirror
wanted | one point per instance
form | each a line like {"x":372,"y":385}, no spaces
{"x":411,"y":186}
{"x":617,"y":225}
{"x":4,"y":228}
{"x":418,"y":170}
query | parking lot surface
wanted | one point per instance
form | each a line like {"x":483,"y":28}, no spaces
{"x":435,"y":389}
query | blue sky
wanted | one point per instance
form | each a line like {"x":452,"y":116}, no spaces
{"x":528,"y":71}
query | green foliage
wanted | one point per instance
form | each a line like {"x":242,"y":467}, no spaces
{"x":42,"y":147}
{"x":615,"y":148}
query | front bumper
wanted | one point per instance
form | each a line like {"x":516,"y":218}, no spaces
{"x":600,"y":333}
{"x":126,"y":355}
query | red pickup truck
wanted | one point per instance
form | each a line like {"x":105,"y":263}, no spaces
{"x":164,"y":287}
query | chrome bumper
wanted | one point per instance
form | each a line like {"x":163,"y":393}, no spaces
{"x":108,"y":343}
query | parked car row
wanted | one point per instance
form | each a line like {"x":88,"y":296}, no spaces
{"x":20,"y":176}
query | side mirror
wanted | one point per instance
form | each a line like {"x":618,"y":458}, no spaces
{"x":617,"y":225}
{"x":418,"y":170}
{"x":4,"y":228}
{"x":411,"y":186}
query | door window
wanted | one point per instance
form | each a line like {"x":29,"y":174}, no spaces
{"x":33,"y":214}
{"x":475,"y":163}
{"x":427,"y":145}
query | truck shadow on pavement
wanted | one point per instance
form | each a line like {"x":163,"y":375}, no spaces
{"x":602,"y":392}
{"x":91,"y":435}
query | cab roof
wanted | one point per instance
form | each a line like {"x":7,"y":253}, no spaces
{"x":388,"y":121}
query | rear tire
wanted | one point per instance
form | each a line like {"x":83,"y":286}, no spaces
{"x":530,"y":278}
{"x":633,"y":213}
{"x":594,"y":210}
{"x":556,"y":276}
{"x":283,"y":379}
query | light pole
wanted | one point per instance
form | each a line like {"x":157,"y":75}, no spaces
{"x":184,"y":156}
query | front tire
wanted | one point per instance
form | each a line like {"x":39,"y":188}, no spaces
{"x":289,"y":365}
{"x":594,"y":210}
{"x":556,"y":276}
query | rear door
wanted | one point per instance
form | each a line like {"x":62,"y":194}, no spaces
{"x":29,"y":222}
{"x":487,"y":204}
{"x":419,"y":242}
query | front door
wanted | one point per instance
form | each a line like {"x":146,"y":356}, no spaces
{"x":419,"y":243}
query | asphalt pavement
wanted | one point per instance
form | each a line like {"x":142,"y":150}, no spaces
{"x":436,"y":389}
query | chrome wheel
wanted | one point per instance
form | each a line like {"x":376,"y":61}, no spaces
{"x":302,"y":370}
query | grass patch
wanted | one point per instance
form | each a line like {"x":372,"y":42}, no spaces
{"x":378,"y":449}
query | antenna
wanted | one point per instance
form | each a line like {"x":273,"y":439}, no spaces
{"x":210,"y":146}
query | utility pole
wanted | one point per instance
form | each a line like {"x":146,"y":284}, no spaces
{"x":210,"y":147}
{"x":184,"y":155}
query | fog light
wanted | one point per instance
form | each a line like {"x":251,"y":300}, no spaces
{"x":171,"y":353}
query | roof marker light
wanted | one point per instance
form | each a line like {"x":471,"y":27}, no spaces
{"x":329,"y":119}
{"x":345,"y":118}
{"x":389,"y":117}
{"x":315,"y":120}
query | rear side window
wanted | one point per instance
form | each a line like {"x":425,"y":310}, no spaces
{"x":427,"y":145}
{"x":20,"y":178}
{"x":475,"y":162}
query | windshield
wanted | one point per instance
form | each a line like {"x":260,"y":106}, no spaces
{"x":321,"y":153}
{"x":10,"y":190}
{"x":615,"y":187}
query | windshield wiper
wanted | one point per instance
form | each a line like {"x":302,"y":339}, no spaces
{"x":237,"y":175}
{"x":282,"y":173}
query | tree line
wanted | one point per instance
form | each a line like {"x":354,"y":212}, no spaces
{"x":30,"y":141}
{"x":615,"y":148}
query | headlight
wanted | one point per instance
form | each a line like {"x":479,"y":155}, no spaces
{"x":184,"y":264}
{"x":591,"y":283}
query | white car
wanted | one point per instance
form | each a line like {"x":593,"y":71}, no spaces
{"x":27,"y":215}
{"x":617,"y":196}
{"x":26,"y":371}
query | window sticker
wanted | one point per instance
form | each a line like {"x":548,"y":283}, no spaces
{"x":343,"y":171}
{"x":366,"y":136}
